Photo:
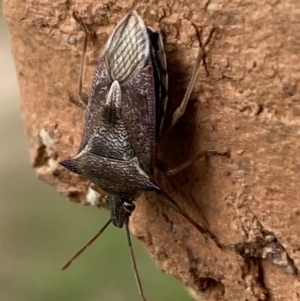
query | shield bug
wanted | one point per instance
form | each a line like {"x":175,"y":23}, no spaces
{"x":123,"y":120}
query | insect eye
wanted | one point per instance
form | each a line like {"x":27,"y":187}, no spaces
{"x":107,"y":200}
{"x":128,"y":207}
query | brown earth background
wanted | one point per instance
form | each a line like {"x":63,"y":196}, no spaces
{"x":247,"y":102}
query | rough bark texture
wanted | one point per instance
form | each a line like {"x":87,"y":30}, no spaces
{"x":249,"y":103}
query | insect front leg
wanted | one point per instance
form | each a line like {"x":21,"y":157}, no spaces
{"x":82,"y":99}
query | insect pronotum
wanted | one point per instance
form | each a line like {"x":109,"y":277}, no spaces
{"x":123,"y":119}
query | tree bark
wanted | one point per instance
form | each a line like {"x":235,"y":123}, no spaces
{"x":247,"y":101}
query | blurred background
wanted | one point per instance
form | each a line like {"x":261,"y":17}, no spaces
{"x":40,"y":230}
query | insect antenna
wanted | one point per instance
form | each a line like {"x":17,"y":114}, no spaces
{"x":80,"y":251}
{"x":169,"y":201}
{"x":133,"y":261}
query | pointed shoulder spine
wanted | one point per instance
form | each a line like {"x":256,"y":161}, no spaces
{"x":71,"y":164}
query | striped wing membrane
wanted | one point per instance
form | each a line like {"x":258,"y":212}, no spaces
{"x":127,"y":49}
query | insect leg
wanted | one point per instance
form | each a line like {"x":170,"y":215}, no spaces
{"x":170,"y":202}
{"x":181,"y":109}
{"x":83,"y":98}
{"x":172,"y":171}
